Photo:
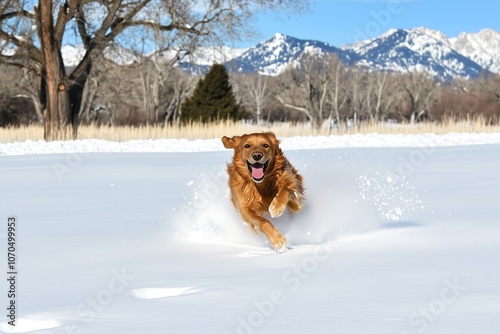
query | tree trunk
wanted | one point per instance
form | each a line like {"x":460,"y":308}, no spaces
{"x":76,"y":97}
{"x":57,"y":98}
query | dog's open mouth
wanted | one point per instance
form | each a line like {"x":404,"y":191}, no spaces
{"x":257,"y":170}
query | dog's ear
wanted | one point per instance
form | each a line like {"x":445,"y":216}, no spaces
{"x":231,"y":142}
{"x":273,"y":138}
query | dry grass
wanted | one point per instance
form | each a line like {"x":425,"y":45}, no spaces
{"x":208,"y":131}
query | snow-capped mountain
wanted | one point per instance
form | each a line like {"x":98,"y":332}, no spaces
{"x":398,"y":50}
{"x":482,"y":47}
{"x":203,"y":57}
{"x":272,"y":56}
{"x":420,"y":50}
{"x":206,"y":56}
{"x":73,"y":54}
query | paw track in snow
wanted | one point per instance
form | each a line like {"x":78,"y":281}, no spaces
{"x":290,"y":250}
{"x":401,"y":224}
{"x":261,"y":252}
{"x":156,"y":293}
{"x":31,"y":323}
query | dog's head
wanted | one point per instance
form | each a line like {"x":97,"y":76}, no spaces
{"x":254,"y":153}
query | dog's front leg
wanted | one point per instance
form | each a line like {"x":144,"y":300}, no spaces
{"x":289,"y":195}
{"x":279,"y":203}
{"x":278,"y":241}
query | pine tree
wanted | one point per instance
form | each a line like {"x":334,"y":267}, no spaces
{"x":212,"y":99}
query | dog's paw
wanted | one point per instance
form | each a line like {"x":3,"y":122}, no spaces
{"x":279,"y":243}
{"x":276,"y":208}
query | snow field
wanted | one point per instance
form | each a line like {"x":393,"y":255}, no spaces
{"x":392,"y":240}
{"x":292,"y":143}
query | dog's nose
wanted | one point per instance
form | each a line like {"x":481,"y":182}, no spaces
{"x":257,"y":156}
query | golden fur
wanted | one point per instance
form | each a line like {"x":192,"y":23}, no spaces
{"x":262,"y":180}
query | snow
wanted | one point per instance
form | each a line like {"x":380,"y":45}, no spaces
{"x":399,"y":235}
{"x":432,"y":49}
{"x":72,"y":55}
{"x":437,"y":35}
{"x":433,"y":52}
{"x":294,"y":143}
{"x":482,"y":47}
{"x":210,"y":55}
{"x":277,"y":42}
{"x":363,"y":46}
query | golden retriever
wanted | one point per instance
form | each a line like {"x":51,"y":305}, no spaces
{"x":262,"y":180}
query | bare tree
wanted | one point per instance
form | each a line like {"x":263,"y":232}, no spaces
{"x":19,"y":100}
{"x":358,"y":95}
{"x":380,"y":80}
{"x":119,"y":90}
{"x":466,"y":100}
{"x":179,"y":86}
{"x":337,"y":93}
{"x":257,"y":90}
{"x":420,"y":88}
{"x":307,"y":88}
{"x":392,"y":98}
{"x":96,"y":24}
{"x":93,"y":89}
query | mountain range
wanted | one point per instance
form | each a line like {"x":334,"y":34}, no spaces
{"x":398,"y":50}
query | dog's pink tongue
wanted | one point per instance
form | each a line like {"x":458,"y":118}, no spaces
{"x":257,"y":172}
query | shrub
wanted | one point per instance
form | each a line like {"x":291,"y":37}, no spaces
{"x":212,"y":99}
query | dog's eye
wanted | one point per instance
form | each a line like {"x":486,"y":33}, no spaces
{"x":247,"y":146}
{"x":266,"y":145}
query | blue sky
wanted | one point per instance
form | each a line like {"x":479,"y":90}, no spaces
{"x":341,"y":22}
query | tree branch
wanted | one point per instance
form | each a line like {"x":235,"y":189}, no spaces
{"x":169,"y":27}
{"x":66,"y":13}
{"x":291,"y":106}
{"x":80,"y":22}
{"x":20,"y":13}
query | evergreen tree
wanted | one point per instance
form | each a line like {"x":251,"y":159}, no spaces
{"x":212,"y":99}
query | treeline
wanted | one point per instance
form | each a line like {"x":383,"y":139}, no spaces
{"x":316,"y":90}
